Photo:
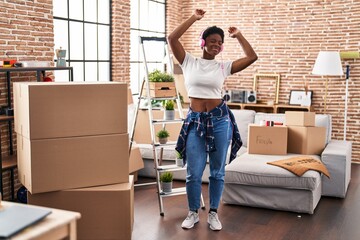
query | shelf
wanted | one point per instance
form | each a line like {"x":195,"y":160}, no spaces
{"x":4,"y":118}
{"x":159,"y":98}
{"x":175,"y":192}
{"x":282,"y":108}
{"x":168,"y":144}
{"x":38,"y":71}
{"x":159,"y":121}
{"x":24,"y":69}
{"x":279,"y":108}
{"x":170,"y":168}
{"x":9,"y":162}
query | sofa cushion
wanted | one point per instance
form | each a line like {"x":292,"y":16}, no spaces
{"x":252,"y":169}
{"x":243,"y":118}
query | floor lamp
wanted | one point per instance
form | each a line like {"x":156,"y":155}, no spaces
{"x":327,"y":64}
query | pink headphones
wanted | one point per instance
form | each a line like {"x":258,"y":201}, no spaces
{"x":202,"y":42}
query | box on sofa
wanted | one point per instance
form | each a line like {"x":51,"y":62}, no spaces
{"x":267,"y":140}
{"x":297,"y":118}
{"x":306,"y":140}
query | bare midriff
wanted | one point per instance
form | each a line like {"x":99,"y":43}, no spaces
{"x":203,"y":105}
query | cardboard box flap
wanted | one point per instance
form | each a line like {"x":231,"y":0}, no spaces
{"x":135,"y":161}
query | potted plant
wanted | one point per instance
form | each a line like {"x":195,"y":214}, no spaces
{"x":169,"y":110}
{"x":166,"y":180}
{"x":161,"y":84}
{"x":179,"y":159}
{"x":158,"y":76}
{"x":162,"y":135}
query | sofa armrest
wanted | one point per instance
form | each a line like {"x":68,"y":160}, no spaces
{"x":337,"y":158}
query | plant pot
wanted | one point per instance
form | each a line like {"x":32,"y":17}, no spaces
{"x":166,"y":186}
{"x":179,"y":162}
{"x":163,"y":140}
{"x":169,"y":115}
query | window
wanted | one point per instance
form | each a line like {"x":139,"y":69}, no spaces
{"x":147,"y":18}
{"x":82,"y":28}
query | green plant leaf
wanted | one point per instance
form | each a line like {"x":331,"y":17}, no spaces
{"x":163,"y":133}
{"x":166,"y":177}
{"x":158,"y":76}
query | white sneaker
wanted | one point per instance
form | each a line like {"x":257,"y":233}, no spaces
{"x":190,"y":220}
{"x":214,"y":221}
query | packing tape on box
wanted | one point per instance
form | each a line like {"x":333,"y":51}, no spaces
{"x":270,"y":123}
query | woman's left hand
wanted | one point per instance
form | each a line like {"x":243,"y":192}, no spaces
{"x":233,"y":31}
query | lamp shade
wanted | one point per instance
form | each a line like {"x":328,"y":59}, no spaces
{"x":328,"y":64}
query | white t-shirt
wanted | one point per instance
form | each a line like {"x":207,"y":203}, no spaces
{"x":204,"y":78}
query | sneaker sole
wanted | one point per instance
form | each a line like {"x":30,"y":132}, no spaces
{"x":192,"y":225}
{"x":214,"y":229}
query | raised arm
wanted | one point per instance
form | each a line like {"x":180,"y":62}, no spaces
{"x":173,"y":38}
{"x":250,"y":57}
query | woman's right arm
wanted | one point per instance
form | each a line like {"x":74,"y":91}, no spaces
{"x":173,"y":38}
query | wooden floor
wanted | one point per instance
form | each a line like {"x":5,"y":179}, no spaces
{"x":334,"y":218}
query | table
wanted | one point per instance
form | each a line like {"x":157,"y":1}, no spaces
{"x":58,"y":225}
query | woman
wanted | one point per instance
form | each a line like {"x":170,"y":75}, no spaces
{"x":209,"y":126}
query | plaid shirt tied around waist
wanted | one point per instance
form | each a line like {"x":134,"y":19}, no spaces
{"x":204,"y":126}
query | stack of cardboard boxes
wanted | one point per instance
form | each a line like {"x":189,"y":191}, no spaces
{"x":299,"y":135}
{"x":72,"y":145}
{"x":303,"y":136}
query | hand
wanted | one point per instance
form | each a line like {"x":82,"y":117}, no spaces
{"x":233,"y":31}
{"x":199,"y":14}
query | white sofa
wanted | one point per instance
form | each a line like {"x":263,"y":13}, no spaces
{"x":250,"y":181}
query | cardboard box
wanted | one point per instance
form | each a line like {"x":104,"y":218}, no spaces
{"x":306,"y":140}
{"x":135,"y":160}
{"x":297,"y":118}
{"x":53,"y":110}
{"x":142,"y":130}
{"x":62,"y":163}
{"x":180,"y":86}
{"x":267,"y":140}
{"x":107,"y":212}
{"x":129,"y":97}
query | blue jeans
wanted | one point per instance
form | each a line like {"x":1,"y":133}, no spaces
{"x":196,"y":162}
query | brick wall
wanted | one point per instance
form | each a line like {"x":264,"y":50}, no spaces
{"x":287,"y":36}
{"x":120,"y":41}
